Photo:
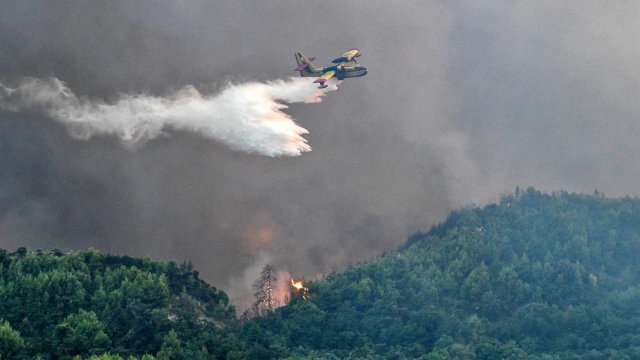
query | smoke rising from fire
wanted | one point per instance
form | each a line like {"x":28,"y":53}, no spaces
{"x":465,"y":101}
{"x":246,"y":117}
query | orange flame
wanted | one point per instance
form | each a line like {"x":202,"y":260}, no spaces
{"x":300,"y":289}
{"x":297,"y":284}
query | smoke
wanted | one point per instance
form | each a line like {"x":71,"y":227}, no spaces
{"x":464,"y":101}
{"x":241,"y":286}
{"x":247,"y":117}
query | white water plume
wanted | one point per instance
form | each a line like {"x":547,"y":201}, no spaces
{"x":246,"y":117}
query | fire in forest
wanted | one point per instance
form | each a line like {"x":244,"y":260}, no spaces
{"x":297,"y":284}
{"x":299,"y":289}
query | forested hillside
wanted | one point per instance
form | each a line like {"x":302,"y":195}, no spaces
{"x":57,"y":306}
{"x":536,"y":276}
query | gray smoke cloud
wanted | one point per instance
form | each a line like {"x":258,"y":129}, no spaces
{"x":463,"y":101}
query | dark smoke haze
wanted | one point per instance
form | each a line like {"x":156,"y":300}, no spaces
{"x":463,"y":101}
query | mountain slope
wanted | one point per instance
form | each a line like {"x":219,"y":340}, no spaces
{"x":59,"y":306}
{"x":537,"y":274}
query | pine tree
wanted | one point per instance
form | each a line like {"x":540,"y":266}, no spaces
{"x":265,"y":287}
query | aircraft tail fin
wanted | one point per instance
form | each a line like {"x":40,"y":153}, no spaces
{"x":305,"y":66}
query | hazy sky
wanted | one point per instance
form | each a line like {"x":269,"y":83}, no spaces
{"x":463,"y":102}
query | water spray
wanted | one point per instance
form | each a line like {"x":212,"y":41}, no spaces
{"x":246,"y":117}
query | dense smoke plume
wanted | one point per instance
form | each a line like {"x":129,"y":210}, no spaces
{"x":464,"y":101}
{"x":246,"y":117}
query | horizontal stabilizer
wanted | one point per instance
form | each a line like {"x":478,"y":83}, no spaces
{"x":304,"y":64}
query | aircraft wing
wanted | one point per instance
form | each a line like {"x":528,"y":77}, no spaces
{"x":326,"y":76}
{"x":351,"y":53}
{"x":348,"y":56}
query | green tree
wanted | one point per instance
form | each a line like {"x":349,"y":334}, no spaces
{"x":476,"y":284}
{"x":11,"y":344}
{"x":171,"y":347}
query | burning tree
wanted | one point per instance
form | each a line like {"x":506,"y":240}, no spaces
{"x":265,"y":294}
{"x":299,"y":289}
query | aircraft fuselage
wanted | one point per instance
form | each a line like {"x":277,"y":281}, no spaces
{"x":339,"y":71}
{"x":342,"y":71}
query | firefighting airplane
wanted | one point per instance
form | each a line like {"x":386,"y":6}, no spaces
{"x":340,"y":71}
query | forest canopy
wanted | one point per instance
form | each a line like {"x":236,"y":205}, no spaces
{"x":534,"y":276}
{"x":58,"y":306}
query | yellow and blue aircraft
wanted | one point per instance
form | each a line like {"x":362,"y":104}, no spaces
{"x":340,"y":71}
